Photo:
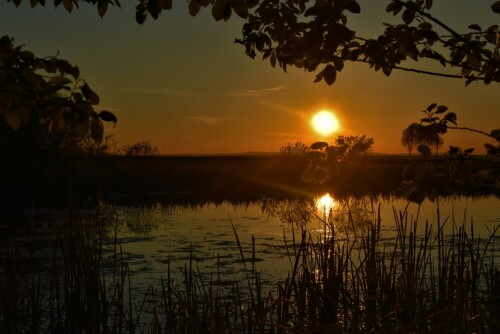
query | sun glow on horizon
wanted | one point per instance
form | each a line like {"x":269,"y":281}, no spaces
{"x":325,"y":122}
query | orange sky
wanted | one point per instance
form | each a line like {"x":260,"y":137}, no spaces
{"x":183,"y":84}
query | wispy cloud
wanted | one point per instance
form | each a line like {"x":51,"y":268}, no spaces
{"x":256,"y":92}
{"x":210,"y":120}
{"x":286,"y":134}
{"x":155,"y":91}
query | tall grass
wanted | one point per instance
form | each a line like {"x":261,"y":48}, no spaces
{"x":339,"y":282}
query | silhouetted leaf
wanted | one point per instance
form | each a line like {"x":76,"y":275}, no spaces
{"x":408,"y":15}
{"x":339,"y":64}
{"x":319,"y":145}
{"x":353,"y":7}
{"x":431,"y":106}
{"x":329,"y":74}
{"x":394,"y":7}
{"x":219,"y":10}
{"x":107,"y":116}
{"x":425,"y":150}
{"x":59,"y":80}
{"x":68,"y":5}
{"x":89,"y":94}
{"x":96,"y":130}
{"x":441,"y":109}
{"x":451,"y":117}
{"x":496,"y":7}
{"x":496,"y":134}
{"x":194,"y":7}
{"x":241,"y":9}
{"x":428,"y":4}
{"x":475,"y":27}
{"x":102,"y":7}
{"x":140,"y":17}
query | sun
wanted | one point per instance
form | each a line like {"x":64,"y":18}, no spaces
{"x":325,"y":122}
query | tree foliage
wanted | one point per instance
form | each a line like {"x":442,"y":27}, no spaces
{"x":142,"y":148}
{"x":294,"y":150}
{"x":316,"y":35}
{"x":431,"y":177}
{"x":436,"y":123}
{"x":44,"y":103}
{"x":325,"y":159}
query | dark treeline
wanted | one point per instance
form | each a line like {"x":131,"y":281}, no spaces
{"x":50,"y":180}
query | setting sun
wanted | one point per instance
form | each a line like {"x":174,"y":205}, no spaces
{"x":325,"y":122}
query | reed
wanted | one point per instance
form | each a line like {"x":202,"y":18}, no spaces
{"x":341,"y":281}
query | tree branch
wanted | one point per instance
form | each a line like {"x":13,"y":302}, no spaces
{"x":438,"y":74}
{"x":469,"y":129}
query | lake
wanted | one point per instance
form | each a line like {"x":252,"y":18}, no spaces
{"x":153,"y":235}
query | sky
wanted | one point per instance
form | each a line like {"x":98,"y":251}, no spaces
{"x":183,"y":84}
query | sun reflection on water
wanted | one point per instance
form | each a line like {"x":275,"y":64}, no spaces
{"x":325,"y":204}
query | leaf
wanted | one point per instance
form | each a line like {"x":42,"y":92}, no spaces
{"x":496,"y":134}
{"x":496,"y":7}
{"x":89,"y":94}
{"x":140,"y":17}
{"x":408,"y":16}
{"x":425,"y":150}
{"x":165,"y":4}
{"x":219,"y":10}
{"x":319,"y":145}
{"x":441,"y":109}
{"x":59,"y":80}
{"x":107,"y":116}
{"x":319,"y":76}
{"x":102,"y":7}
{"x":194,"y":7}
{"x":96,"y":130}
{"x":431,"y":106}
{"x":353,"y":7}
{"x":241,"y":9}
{"x":329,"y":74}
{"x":475,"y":27}
{"x":451,"y":117}
{"x":338,"y":63}
{"x":68,"y":5}
{"x":428,"y":4}
{"x":12,"y":119}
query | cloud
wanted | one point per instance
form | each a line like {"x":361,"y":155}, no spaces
{"x":256,"y":92}
{"x":286,"y":134}
{"x":210,"y":120}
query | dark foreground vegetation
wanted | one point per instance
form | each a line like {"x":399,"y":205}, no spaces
{"x":349,"y":280}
